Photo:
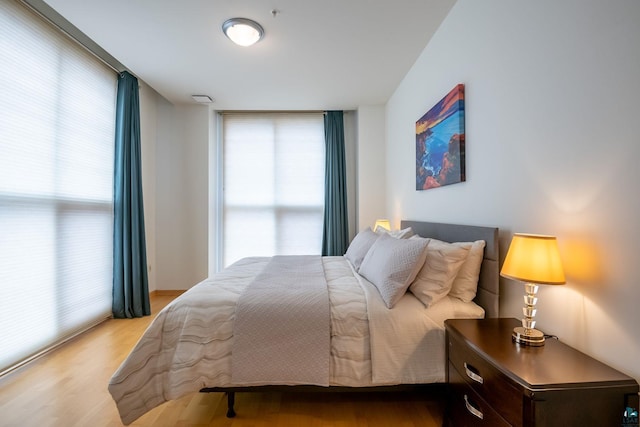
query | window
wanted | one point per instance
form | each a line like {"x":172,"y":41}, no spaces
{"x":273,"y":178}
{"x":57,"y":104}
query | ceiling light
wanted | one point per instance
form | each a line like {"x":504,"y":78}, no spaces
{"x":242,"y":31}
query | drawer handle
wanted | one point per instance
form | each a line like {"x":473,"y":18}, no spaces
{"x":470,"y":408}
{"x":475,"y":377}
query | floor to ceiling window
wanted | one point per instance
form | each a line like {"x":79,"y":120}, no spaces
{"x":273,"y":184}
{"x":56,"y":175}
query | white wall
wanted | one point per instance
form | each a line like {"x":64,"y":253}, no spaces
{"x":351,"y":161}
{"x":552,"y":147}
{"x":181,"y":195}
{"x":371,"y":166}
{"x":148,"y":136}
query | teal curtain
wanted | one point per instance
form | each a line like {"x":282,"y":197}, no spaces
{"x":335,"y":236}
{"x":130,"y":282}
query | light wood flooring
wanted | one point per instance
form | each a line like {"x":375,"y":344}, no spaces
{"x":68,"y":387}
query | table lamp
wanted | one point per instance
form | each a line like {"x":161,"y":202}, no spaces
{"x":382,"y":223}
{"x":532,"y":259}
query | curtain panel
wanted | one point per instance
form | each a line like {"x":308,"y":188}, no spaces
{"x":335,"y":236}
{"x":130,"y":282}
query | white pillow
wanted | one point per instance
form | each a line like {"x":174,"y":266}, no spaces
{"x":435,"y":278}
{"x":360,"y":246}
{"x":405,"y":233}
{"x":391,"y":265}
{"x":465,"y":284}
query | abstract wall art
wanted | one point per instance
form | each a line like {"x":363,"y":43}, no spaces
{"x":440,"y":156}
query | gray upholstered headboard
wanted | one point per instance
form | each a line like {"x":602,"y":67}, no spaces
{"x":488,"y":296}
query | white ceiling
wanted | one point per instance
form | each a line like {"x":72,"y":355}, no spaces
{"x":319,"y":55}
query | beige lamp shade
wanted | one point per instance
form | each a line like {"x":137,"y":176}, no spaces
{"x":535,"y":259}
{"x":383,"y":223}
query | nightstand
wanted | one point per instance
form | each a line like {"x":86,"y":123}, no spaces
{"x":496,"y":382}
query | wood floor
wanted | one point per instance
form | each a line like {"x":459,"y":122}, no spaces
{"x":68,"y":387}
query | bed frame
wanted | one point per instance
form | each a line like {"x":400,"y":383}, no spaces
{"x":488,"y":297}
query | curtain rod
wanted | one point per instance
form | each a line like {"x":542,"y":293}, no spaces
{"x":51,"y":16}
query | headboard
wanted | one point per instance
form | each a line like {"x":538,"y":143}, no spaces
{"x":488,"y":295}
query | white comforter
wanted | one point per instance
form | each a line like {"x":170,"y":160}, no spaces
{"x":188,"y":345}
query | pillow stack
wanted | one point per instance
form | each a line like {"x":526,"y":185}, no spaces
{"x":395,"y":262}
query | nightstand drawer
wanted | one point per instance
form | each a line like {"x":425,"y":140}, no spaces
{"x":493,"y":386}
{"x":467,"y":408}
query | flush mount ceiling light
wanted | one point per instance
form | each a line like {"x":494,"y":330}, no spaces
{"x":242,"y":31}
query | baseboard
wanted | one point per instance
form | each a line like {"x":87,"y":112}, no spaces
{"x":167,"y":293}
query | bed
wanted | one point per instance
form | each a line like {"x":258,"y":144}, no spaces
{"x":373,"y":338}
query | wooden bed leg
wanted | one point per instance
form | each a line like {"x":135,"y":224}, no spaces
{"x":231,"y":399}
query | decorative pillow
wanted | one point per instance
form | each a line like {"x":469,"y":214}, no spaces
{"x":405,"y":233}
{"x":435,"y":278}
{"x":465,"y":284}
{"x":391,"y":265}
{"x":360,"y":246}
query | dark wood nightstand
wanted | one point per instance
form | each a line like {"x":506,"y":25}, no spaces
{"x":496,"y":382}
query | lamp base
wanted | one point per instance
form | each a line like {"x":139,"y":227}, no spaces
{"x":532,"y":337}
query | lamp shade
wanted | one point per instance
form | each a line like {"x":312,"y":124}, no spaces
{"x":533,"y":258}
{"x":382,"y":223}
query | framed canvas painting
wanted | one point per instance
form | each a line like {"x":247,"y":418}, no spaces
{"x":440,"y":158}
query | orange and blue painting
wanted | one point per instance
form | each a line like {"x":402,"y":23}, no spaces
{"x":440,"y":143}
